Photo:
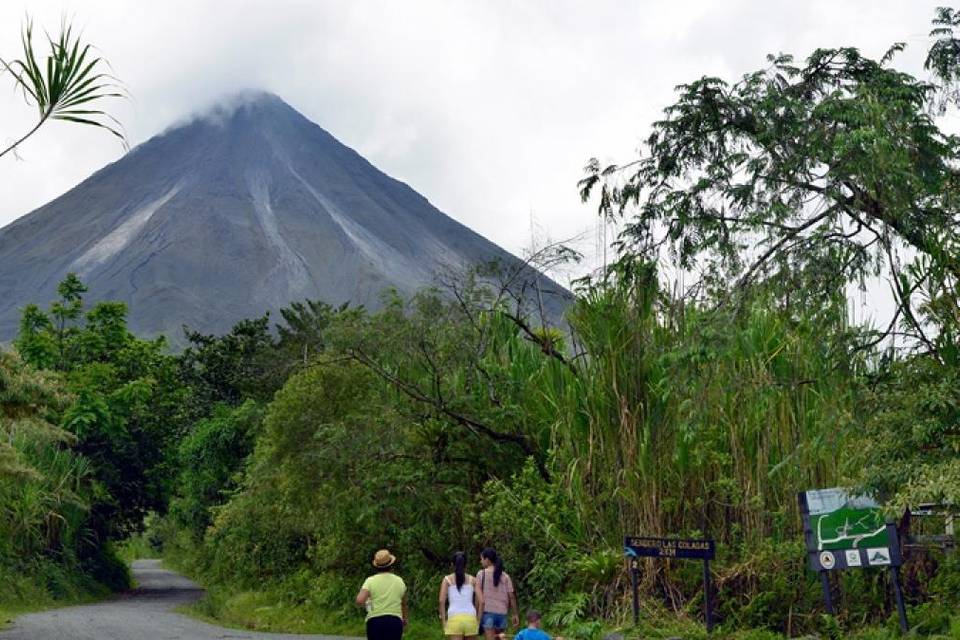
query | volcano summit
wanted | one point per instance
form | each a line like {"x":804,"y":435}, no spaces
{"x":242,"y":210}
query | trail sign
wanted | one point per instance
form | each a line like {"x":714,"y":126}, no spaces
{"x":669,"y":548}
{"x":849,"y":532}
{"x":637,"y":547}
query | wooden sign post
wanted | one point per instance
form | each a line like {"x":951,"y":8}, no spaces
{"x":644,"y":547}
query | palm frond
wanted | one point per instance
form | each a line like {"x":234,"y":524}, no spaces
{"x":68,"y":85}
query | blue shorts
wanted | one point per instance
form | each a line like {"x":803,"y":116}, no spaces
{"x":495,"y":621}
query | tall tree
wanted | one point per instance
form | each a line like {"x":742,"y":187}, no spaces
{"x":826,"y":171}
{"x":126,"y":406}
{"x":229,"y":368}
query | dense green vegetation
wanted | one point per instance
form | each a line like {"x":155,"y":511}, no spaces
{"x":436,"y":424}
{"x":59,"y":510}
{"x":271,"y":462}
{"x":462,"y":418}
{"x":46,"y":492}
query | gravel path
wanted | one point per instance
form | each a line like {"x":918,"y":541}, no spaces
{"x":142,"y":614}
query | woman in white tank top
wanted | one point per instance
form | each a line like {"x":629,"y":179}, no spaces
{"x":461,"y":603}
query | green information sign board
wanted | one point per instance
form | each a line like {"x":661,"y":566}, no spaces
{"x":843,"y":531}
{"x":847,"y":532}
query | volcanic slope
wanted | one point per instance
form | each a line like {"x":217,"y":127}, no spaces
{"x":241,"y":210}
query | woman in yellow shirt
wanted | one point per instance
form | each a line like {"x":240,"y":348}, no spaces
{"x":384,"y":594}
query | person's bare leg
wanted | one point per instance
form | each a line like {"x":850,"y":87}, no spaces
{"x":489,"y":634}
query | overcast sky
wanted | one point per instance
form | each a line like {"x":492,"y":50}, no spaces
{"x":490,"y":109}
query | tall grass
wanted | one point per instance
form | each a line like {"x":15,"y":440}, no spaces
{"x":44,"y":494}
{"x":686,"y":420}
{"x":681,"y":420}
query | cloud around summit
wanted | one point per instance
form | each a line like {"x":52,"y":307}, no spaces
{"x":489,"y":109}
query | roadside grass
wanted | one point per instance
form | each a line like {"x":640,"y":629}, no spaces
{"x":265,"y":611}
{"x":51,"y":587}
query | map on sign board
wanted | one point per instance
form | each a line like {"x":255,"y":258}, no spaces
{"x":840,"y":521}
{"x":844,"y":531}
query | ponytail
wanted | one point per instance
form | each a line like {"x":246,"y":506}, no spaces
{"x":460,"y":568}
{"x":491,"y":555}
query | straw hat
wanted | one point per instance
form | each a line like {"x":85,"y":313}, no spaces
{"x":383,"y":559}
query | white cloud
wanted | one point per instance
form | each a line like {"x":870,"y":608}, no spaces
{"x":489,"y":109}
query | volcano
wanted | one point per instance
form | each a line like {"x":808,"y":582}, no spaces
{"x":243,"y":209}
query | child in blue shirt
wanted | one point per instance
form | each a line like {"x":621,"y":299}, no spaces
{"x":533,"y":630}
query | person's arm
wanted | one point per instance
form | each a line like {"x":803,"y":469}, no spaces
{"x":516,"y":609}
{"x":443,"y":602}
{"x":406,"y":609}
{"x":363,"y":596}
{"x":478,"y":596}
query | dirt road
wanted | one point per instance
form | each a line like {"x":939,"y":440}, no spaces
{"x":143,"y":614}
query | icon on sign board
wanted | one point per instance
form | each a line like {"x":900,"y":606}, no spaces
{"x":853,"y":557}
{"x":827,"y":561}
{"x":878,"y":556}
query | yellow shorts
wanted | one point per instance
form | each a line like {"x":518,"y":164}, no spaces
{"x":462,"y":624}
